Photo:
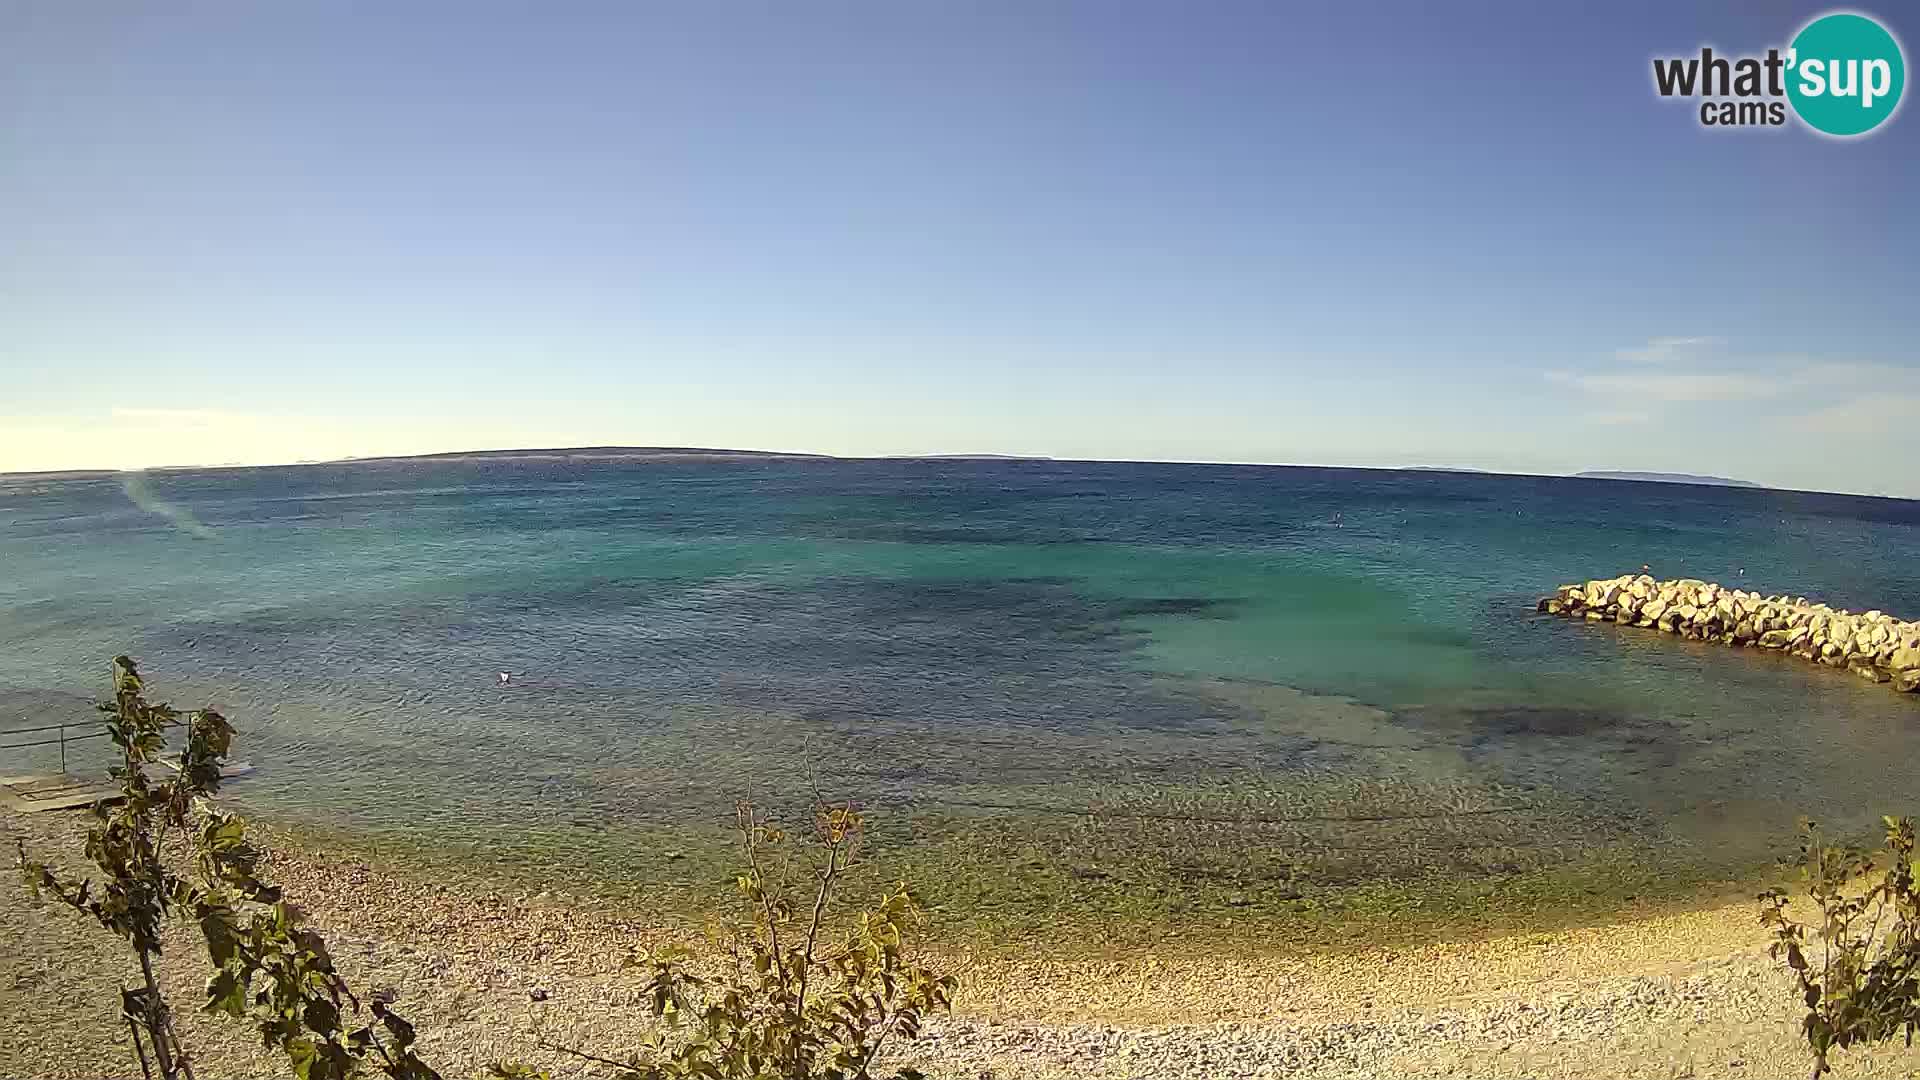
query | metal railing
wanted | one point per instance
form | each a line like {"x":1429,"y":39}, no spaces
{"x":61,"y":739}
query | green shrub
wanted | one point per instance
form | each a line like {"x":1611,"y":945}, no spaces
{"x":790,"y":1004}
{"x":267,"y":967}
{"x":1864,"y":984}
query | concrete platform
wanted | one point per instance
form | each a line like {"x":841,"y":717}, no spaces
{"x":32,"y":794}
{"x":227,"y":772}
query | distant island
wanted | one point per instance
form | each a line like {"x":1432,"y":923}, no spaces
{"x":1669,"y":478}
{"x":642,"y":454}
{"x":665,"y":453}
{"x":597,"y":453}
{"x":975,"y":457}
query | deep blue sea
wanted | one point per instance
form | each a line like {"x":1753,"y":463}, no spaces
{"x":1343,"y":663}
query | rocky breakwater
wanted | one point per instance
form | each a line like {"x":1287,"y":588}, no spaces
{"x":1873,"y":645}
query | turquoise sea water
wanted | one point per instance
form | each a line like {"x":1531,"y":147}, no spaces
{"x":1342,"y":665}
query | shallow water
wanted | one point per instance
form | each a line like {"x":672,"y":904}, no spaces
{"x":1215,"y":663}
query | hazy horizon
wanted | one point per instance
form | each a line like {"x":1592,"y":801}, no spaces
{"x":1097,"y":232}
{"x":640,"y":451}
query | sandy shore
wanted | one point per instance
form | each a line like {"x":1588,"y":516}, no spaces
{"x":487,"y":975}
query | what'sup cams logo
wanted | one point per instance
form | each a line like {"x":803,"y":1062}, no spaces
{"x":1842,"y":76}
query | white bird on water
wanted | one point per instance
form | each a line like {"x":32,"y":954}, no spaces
{"x":505,"y":678}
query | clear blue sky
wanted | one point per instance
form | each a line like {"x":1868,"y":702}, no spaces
{"x":1374,"y":234}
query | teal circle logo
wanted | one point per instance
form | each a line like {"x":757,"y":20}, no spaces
{"x":1845,"y":73}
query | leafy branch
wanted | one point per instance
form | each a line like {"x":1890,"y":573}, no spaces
{"x":792,"y":1007}
{"x":1865,"y":987}
{"x":267,"y":967}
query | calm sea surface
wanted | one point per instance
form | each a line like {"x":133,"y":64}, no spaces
{"x":1340,"y":665}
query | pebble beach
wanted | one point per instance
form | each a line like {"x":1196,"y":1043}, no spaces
{"x":490,"y":974}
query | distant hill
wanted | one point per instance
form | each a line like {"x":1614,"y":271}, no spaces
{"x":599,"y":453}
{"x":1670,"y":478}
{"x":662,"y":453}
{"x":976,"y":457}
